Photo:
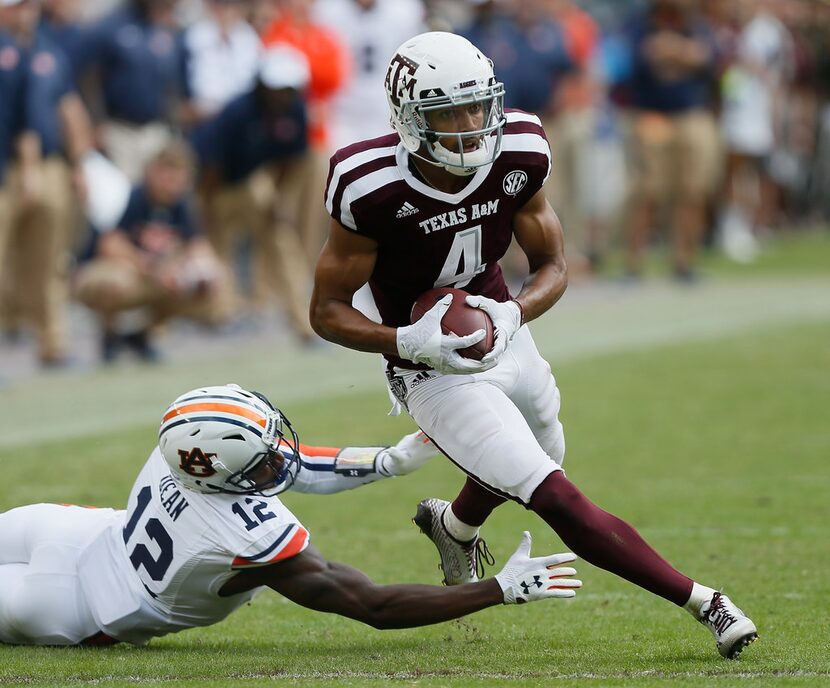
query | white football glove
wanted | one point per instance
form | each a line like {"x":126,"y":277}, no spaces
{"x":423,"y":342}
{"x":507,"y":319}
{"x":527,"y":579}
{"x":408,"y":455}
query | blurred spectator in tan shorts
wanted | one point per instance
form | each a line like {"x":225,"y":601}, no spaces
{"x":754,"y":88}
{"x":155,"y":265}
{"x":249,"y":156}
{"x":328,"y":62}
{"x":133,"y":65}
{"x":572,"y":130}
{"x":674,"y":150}
{"x":53,"y":135}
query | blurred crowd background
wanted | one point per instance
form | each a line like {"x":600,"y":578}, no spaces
{"x":167,"y":158}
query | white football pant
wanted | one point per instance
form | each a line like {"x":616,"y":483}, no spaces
{"x":41,"y":600}
{"x":501,"y":426}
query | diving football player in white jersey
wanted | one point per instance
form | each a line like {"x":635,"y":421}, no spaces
{"x":204,"y":531}
{"x":436,"y":204}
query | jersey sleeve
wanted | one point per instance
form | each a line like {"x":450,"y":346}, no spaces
{"x":359,"y":175}
{"x":337,"y":194}
{"x":277,"y":544}
{"x":250,"y":530}
{"x":525,"y":144}
{"x":326,"y":470}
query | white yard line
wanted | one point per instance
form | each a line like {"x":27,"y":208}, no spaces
{"x":591,"y":320}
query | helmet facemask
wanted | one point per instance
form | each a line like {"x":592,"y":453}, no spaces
{"x":419,"y":117}
{"x":282,"y":456}
{"x":438,"y":70}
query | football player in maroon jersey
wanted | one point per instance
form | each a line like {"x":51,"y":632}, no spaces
{"x":436,"y":204}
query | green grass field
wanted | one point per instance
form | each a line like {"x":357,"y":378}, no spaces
{"x":699,"y":415}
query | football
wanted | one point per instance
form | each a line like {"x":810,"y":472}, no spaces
{"x":460,"y":319}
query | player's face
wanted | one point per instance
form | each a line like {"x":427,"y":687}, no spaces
{"x":267,"y":471}
{"x":458,"y":119}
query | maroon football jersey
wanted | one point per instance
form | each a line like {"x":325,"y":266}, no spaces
{"x":427,"y":238}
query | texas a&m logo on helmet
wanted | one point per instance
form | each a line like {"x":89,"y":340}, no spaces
{"x":400,"y":78}
{"x":197,"y":463}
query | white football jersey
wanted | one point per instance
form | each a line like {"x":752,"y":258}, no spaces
{"x":372,"y":35}
{"x":159,"y":569}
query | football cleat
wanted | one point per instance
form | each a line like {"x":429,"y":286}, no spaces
{"x":733,"y":630}
{"x":461,"y":562}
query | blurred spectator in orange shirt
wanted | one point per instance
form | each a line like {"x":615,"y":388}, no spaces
{"x":327,"y":58}
{"x":571,"y":130}
{"x":329,"y":64}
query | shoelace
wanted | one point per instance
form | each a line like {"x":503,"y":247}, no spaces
{"x":717,"y":605}
{"x":481,"y":555}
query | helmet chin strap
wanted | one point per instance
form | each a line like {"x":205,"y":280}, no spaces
{"x":451,"y":161}
{"x":458,"y":171}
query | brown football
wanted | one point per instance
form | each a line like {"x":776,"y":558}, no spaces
{"x":460,"y":319}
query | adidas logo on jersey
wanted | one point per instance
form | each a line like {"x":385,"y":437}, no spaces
{"x":406,"y":210}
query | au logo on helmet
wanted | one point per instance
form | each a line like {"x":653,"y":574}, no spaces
{"x":196,"y":462}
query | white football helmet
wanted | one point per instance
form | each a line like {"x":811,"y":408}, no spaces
{"x":439,"y":70}
{"x":215,"y":438}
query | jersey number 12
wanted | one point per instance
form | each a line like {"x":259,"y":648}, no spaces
{"x":156,"y":566}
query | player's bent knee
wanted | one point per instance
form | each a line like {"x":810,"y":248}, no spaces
{"x":557,"y":497}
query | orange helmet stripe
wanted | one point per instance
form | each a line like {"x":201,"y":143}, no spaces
{"x":308,"y":450}
{"x":232,"y":409}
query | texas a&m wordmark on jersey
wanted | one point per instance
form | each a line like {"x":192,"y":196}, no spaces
{"x":427,"y":238}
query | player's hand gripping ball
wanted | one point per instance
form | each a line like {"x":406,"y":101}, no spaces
{"x":460,"y":319}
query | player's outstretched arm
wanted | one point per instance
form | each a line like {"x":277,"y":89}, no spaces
{"x":311,"y":581}
{"x":326,"y":470}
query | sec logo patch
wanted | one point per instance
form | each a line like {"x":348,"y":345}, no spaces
{"x":514,"y":182}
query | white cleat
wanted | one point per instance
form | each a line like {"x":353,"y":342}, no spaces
{"x":733,"y":630}
{"x":461,"y":562}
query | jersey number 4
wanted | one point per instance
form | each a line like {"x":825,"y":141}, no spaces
{"x":156,"y":566}
{"x":463,"y":261}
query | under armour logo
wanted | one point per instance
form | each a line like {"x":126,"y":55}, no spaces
{"x":537,"y":581}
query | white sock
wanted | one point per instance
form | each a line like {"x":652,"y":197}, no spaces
{"x":700,"y":594}
{"x":458,"y":529}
